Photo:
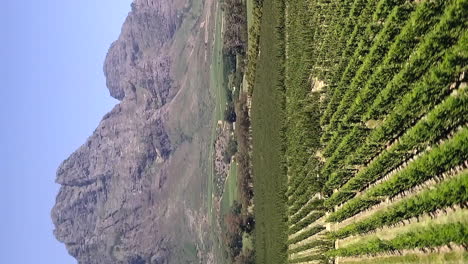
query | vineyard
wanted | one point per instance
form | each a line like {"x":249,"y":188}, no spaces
{"x":360,"y":136}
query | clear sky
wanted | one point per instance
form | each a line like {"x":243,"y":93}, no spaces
{"x":53,"y":96}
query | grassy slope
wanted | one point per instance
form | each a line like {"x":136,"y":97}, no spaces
{"x":218,"y":91}
{"x":217,"y":86}
{"x":267,"y":117}
{"x":193,"y":188}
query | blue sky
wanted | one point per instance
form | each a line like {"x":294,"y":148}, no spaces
{"x":53,"y":96}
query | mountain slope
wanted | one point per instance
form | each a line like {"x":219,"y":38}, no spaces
{"x":135,"y":191}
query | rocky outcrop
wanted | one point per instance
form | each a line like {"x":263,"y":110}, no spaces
{"x":137,"y":60}
{"x":108,"y":184}
{"x":117,"y":202}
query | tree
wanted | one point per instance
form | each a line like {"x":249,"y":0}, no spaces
{"x":247,"y":257}
{"x":230,"y":151}
{"x":233,"y":235}
{"x":230,"y":113}
{"x":235,"y":34}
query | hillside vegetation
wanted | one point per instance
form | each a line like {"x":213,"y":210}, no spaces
{"x":360,"y":138}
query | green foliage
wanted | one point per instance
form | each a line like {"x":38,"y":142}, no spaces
{"x":306,"y":221}
{"x":440,"y":121}
{"x":426,"y":15}
{"x":408,"y":75}
{"x":345,"y":50}
{"x":440,"y":159}
{"x":426,"y":93}
{"x":426,"y":237}
{"x":337,"y":160}
{"x":302,"y":107}
{"x":453,"y":23}
{"x":315,"y":204}
{"x":361,"y":66}
{"x":449,"y":193}
{"x":254,"y":44}
{"x":302,"y":189}
{"x":325,"y":244}
{"x":310,"y":258}
{"x":304,"y":235}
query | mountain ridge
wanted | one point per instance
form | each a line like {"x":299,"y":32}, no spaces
{"x":118,"y":199}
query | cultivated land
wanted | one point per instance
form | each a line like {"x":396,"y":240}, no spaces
{"x":360,"y":133}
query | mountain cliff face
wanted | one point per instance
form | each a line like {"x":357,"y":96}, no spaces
{"x":133,"y":193}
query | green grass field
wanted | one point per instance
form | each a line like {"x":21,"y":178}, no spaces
{"x":230,"y":189}
{"x":267,"y":120}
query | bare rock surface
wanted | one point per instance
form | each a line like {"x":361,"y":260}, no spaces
{"x":135,"y":191}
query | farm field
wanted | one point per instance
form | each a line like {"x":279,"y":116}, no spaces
{"x":230,"y":189}
{"x":360,"y":137}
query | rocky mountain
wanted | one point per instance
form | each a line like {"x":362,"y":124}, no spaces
{"x":135,"y":191}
